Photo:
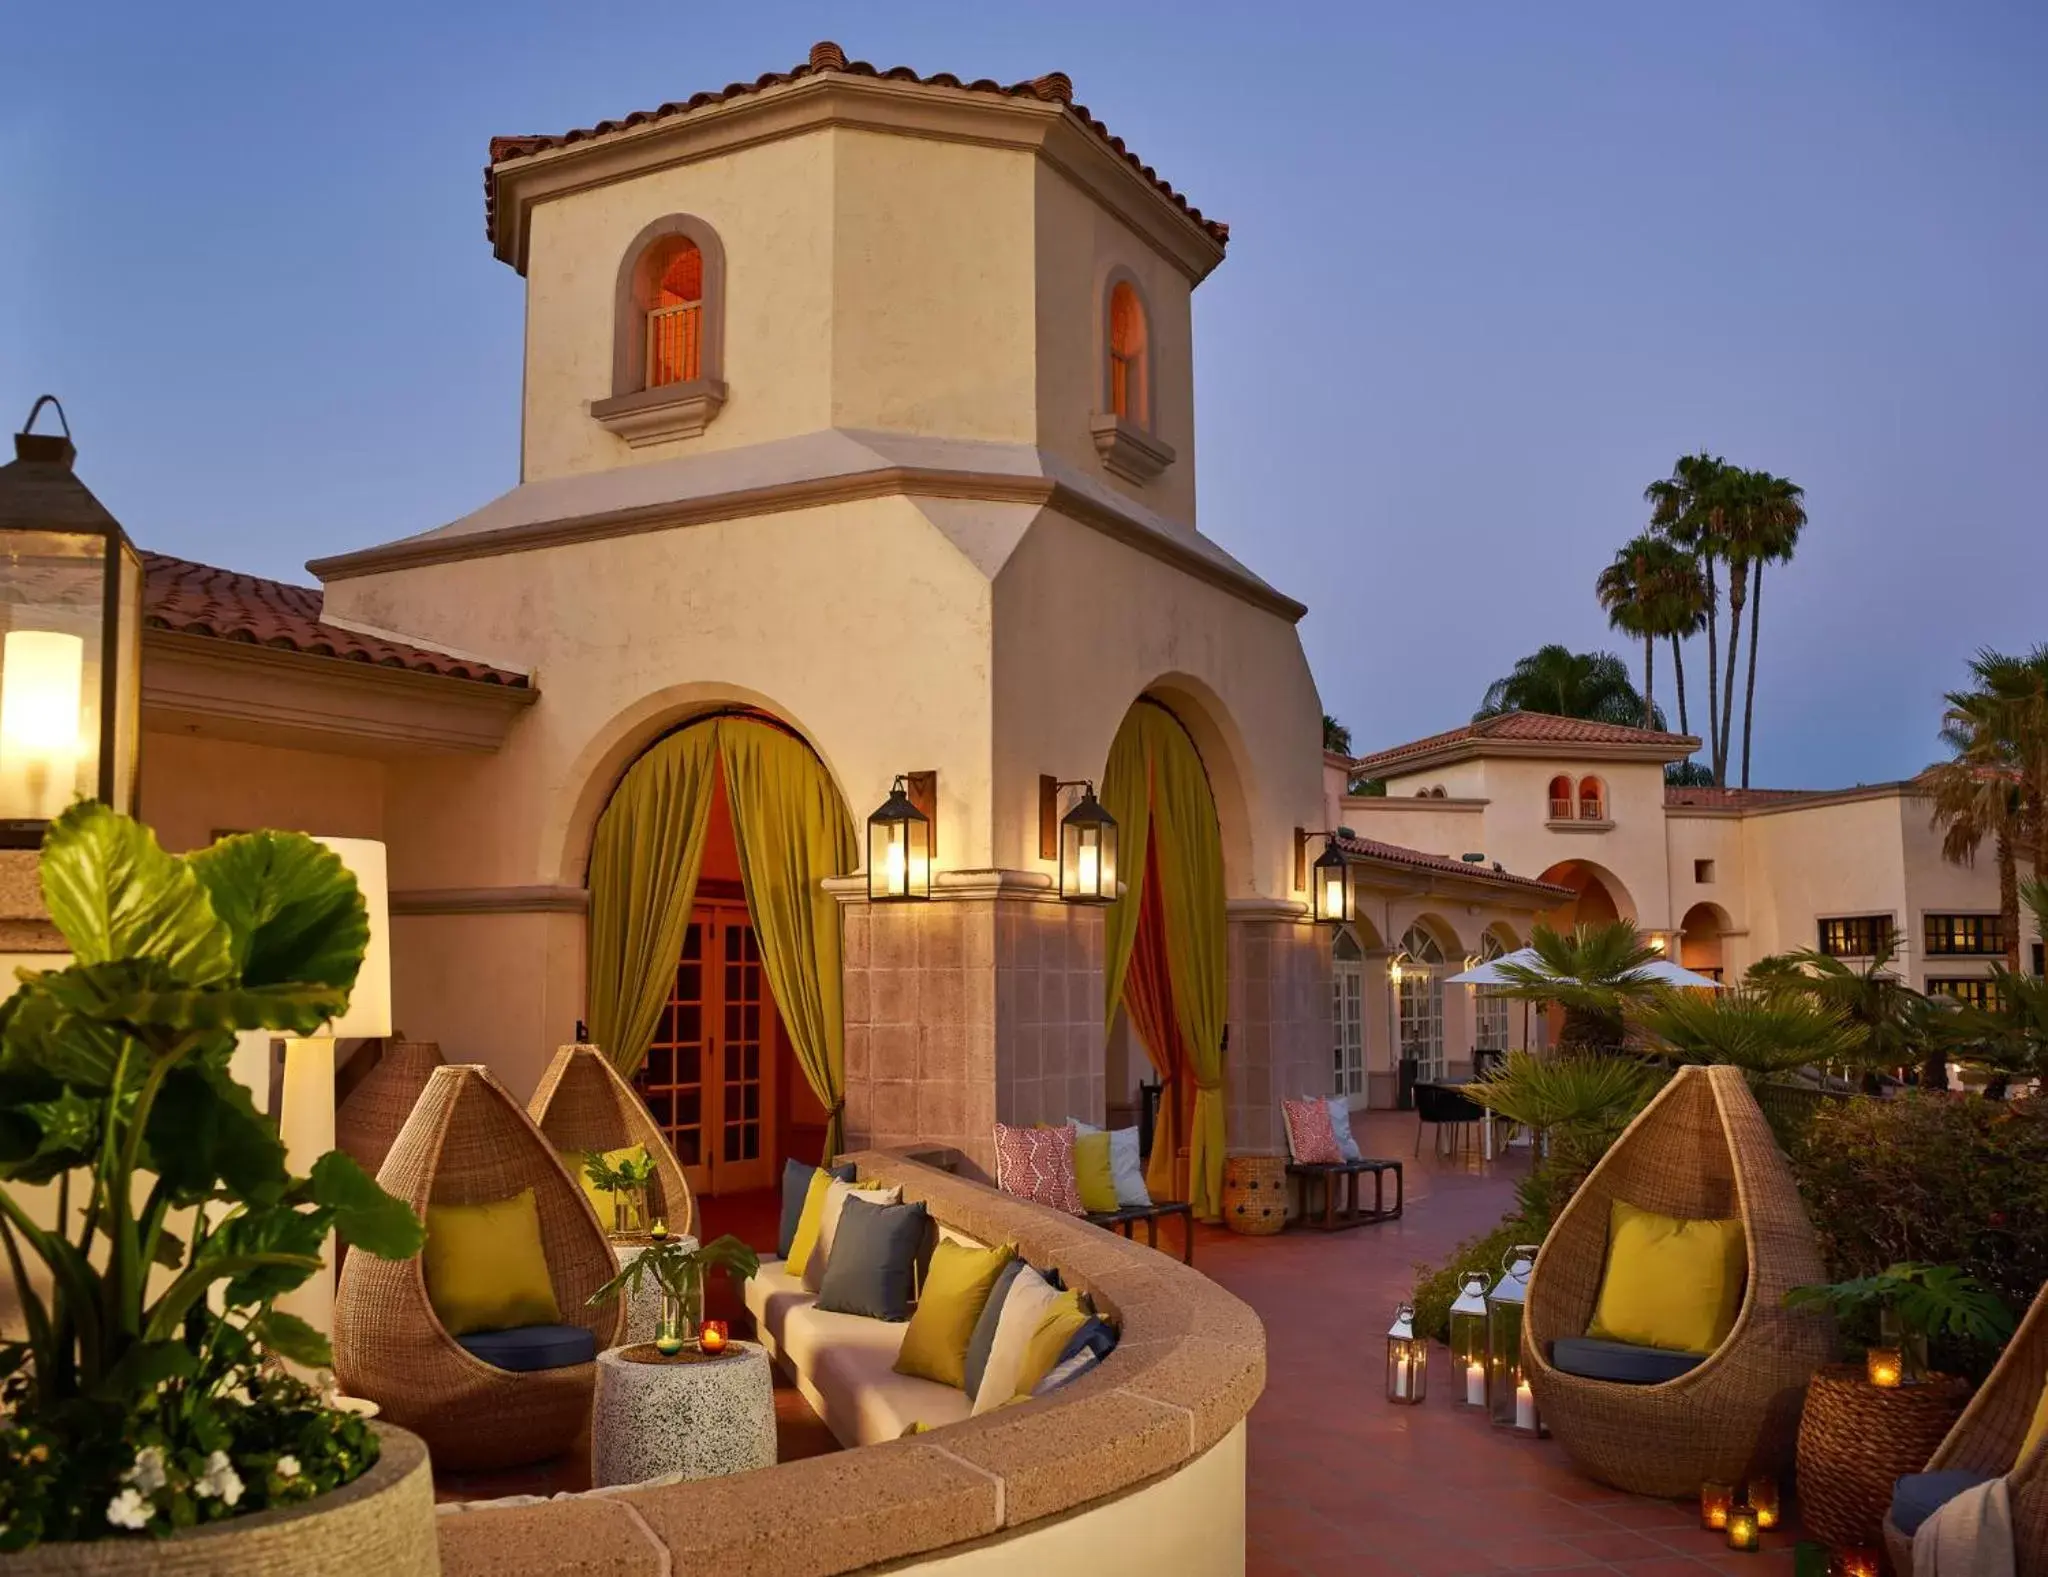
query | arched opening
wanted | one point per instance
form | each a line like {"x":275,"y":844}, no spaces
{"x":1560,"y":798}
{"x":1418,"y":975}
{"x":671,"y":299}
{"x":1130,"y":379}
{"x":1700,"y":936}
{"x":1592,"y":799}
{"x":713,"y":955}
{"x":1598,"y":897}
{"x":1347,"y":1014}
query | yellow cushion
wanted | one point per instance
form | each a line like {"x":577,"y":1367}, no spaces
{"x":2035,"y":1430}
{"x":600,"y":1200}
{"x":1670,"y":1283}
{"x":807,"y":1225}
{"x":956,"y":1290}
{"x":486,"y":1270}
{"x":1092,"y":1172}
{"x":1056,"y":1327}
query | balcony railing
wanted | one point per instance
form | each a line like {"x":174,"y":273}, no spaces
{"x":673,"y":350}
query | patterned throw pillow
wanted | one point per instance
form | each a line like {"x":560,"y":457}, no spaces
{"x":1038,"y":1164}
{"x":1309,"y":1134}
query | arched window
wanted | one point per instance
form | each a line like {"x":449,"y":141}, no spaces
{"x":1592,"y":800}
{"x":1490,"y":1026}
{"x":1422,"y":1003}
{"x":1130,"y":380}
{"x":1560,"y":798}
{"x":668,"y":336}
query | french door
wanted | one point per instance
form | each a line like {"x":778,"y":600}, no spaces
{"x":1347,"y":1015}
{"x":709,"y":1078}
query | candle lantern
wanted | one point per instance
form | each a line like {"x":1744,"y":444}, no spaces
{"x":70,"y":641}
{"x":899,"y":849}
{"x":1468,"y":1336}
{"x":1407,"y":1359}
{"x":1853,"y":1563}
{"x":1509,"y":1401}
{"x":1088,"y":851}
{"x":1716,"y":1501}
{"x":1762,"y":1495}
{"x":712,"y":1337}
{"x":1330,"y":884}
{"x":1742,"y":1530}
{"x":1884,"y":1366}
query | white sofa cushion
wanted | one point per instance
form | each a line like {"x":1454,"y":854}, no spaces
{"x":1026,"y":1303}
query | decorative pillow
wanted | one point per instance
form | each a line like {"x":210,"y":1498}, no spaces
{"x":485,"y":1267}
{"x":836,"y":1196}
{"x":1309,"y":1135}
{"x":873,"y":1264}
{"x":1028,"y":1301}
{"x":1057,"y":1326}
{"x":796,"y":1184}
{"x":1340,"y":1126}
{"x":956,"y":1292}
{"x":803,"y":1242}
{"x":1097,"y":1336}
{"x":600,"y":1200}
{"x":1038,"y":1164}
{"x":1669,"y":1283}
{"x":1093,"y":1177}
{"x":1126,"y":1165}
{"x":984,"y":1338}
{"x":1067,"y":1370}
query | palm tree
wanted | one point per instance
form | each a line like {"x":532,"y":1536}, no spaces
{"x":1874,"y":998}
{"x":1626,"y":590}
{"x":1976,"y":797}
{"x":1775,"y":517}
{"x":1558,"y":680}
{"x":1680,"y":606}
{"x":1336,"y":736}
{"x":1687,"y":507}
{"x":2017,"y":688}
{"x":1759,"y":515}
{"x":1759,"y":1031}
{"x":1593,"y":973}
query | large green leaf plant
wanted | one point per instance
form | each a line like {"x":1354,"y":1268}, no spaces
{"x":146,"y":1390}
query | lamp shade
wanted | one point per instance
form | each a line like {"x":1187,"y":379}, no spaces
{"x":369,"y":1005}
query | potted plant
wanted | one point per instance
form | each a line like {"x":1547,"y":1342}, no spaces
{"x":1900,"y":1307}
{"x":150,"y":1222}
{"x":677,"y":1266}
{"x":626,"y":1180}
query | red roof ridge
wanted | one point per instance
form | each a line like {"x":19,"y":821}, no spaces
{"x":185,"y":597}
{"x":1055,"y":87}
{"x":1535,"y":728}
{"x":1374,"y":848}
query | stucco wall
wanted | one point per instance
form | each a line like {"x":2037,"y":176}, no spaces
{"x":193,"y":789}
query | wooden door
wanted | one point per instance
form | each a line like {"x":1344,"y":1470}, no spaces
{"x":710,"y":1073}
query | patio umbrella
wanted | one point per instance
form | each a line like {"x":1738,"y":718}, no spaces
{"x":1661,"y":970}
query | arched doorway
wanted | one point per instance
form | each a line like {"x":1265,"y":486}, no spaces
{"x":1598,"y":898}
{"x":1492,"y":1020}
{"x":1700,"y":936}
{"x":1419,"y":981}
{"x":714,"y":972}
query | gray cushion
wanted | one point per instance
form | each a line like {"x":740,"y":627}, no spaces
{"x":532,"y":1347}
{"x":1598,"y":1360}
{"x":1918,"y":1496}
{"x":874,"y":1260}
{"x":796,"y":1183}
{"x":1098,"y":1336}
{"x":984,"y":1337}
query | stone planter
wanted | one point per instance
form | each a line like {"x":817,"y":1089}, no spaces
{"x":382,"y":1523}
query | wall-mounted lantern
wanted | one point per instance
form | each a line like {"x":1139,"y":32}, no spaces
{"x":1330,"y":884}
{"x":900,"y":843}
{"x":1083,"y":841}
{"x":70,"y":640}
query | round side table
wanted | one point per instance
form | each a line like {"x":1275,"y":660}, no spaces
{"x":690,"y":1415}
{"x":643,"y":1308}
{"x":1255,"y":1194}
{"x":1856,"y":1438}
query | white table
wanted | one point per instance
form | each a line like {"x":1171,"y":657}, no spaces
{"x":643,"y":1308}
{"x":686,"y":1416}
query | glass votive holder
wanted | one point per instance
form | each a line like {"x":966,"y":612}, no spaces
{"x":1762,"y":1495}
{"x":712,"y":1337}
{"x":1743,"y":1533}
{"x":1716,"y":1501}
{"x":1884,"y":1367}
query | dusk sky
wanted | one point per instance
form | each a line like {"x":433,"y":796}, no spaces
{"x":1492,"y":267}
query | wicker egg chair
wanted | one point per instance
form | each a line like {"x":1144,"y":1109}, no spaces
{"x":1700,"y":1150}
{"x":368,"y":1121}
{"x":1986,"y":1439}
{"x":469,"y":1142}
{"x":584,"y":1103}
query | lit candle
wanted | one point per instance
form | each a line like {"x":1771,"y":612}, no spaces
{"x":1762,"y":1495}
{"x":668,"y":1343}
{"x":1475,"y":1384}
{"x":1885,"y":1366}
{"x":659,"y":1231}
{"x":1856,"y":1563}
{"x":1090,"y":867}
{"x":1401,"y":1377}
{"x":1742,"y":1531}
{"x":897,"y":868}
{"x":712,"y":1338}
{"x":1525,"y":1407}
{"x":1715,"y":1502}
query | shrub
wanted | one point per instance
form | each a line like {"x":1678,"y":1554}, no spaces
{"x":1538,"y":1198}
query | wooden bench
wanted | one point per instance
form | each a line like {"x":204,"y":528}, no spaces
{"x":1338,"y":1176}
{"x":1129,"y":1216}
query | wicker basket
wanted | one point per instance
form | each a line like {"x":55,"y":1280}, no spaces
{"x":1856,"y":1439}
{"x":1255,"y":1194}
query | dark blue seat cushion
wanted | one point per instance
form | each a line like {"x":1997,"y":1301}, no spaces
{"x":533,"y":1347}
{"x":1591,"y":1359}
{"x":796,"y":1183}
{"x":1918,"y":1496}
{"x":1097,"y":1336}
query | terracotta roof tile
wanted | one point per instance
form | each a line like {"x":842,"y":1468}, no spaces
{"x":197,"y":599}
{"x":1054,"y":87}
{"x":1706,"y":797}
{"x":1532,"y":727}
{"x":1442,"y":864}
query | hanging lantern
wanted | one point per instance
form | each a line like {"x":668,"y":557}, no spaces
{"x":1407,"y":1360}
{"x":1509,"y":1401}
{"x":1088,"y":851}
{"x":1468,"y":1336}
{"x":71,"y":651}
{"x":899,"y":849}
{"x":1331,"y":883}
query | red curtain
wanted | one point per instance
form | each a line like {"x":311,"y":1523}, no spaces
{"x":1148,"y":999}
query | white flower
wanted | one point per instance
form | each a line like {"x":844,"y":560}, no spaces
{"x":128,"y":1509}
{"x":220,"y":1479}
{"x":148,"y":1473}
{"x":287,"y":1467}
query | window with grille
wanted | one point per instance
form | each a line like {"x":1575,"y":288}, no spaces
{"x":1856,"y":935}
{"x":1974,"y":990}
{"x":1978,"y":934}
{"x":1592,"y":800}
{"x":1422,"y":1004}
{"x":675,"y":314}
{"x":1347,"y":1013}
{"x":1490,"y":1026}
{"x":1560,"y":799}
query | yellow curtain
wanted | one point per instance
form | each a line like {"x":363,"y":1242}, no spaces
{"x":643,"y":879}
{"x":793,"y":832}
{"x":1127,"y":796}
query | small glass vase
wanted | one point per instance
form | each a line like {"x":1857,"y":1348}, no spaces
{"x":1911,"y":1346}
{"x":629,"y":1211}
{"x":682,"y":1312}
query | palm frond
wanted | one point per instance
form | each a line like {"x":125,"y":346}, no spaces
{"x":1759,"y":1031}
